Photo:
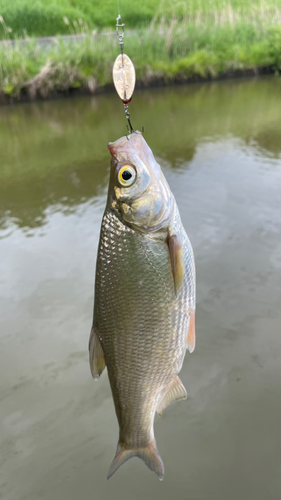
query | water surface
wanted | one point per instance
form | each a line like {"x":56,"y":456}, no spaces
{"x":220,"y":147}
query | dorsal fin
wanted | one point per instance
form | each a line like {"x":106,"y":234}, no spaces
{"x":176,"y":259}
{"x":96,"y":355}
{"x":175,"y":392}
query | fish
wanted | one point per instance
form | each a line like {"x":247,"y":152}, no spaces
{"x":144,"y":307}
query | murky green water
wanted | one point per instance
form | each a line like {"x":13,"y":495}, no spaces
{"x":220,"y":147}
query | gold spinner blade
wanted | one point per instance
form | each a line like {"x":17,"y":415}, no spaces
{"x":124,"y":77}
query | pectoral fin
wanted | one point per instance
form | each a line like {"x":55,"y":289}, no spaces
{"x":96,"y":355}
{"x":175,"y":392}
{"x":190,"y":341}
{"x":177,"y":262}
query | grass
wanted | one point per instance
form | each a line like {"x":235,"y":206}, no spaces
{"x":45,"y":17}
{"x":183,"y":40}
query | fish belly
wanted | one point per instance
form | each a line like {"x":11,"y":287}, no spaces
{"x":141,"y":324}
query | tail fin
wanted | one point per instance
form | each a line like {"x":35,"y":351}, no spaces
{"x":149,"y":455}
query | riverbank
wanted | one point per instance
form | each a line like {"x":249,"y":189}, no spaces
{"x":85,"y":90}
{"x":170,"y":53}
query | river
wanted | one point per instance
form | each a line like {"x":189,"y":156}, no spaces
{"x":219,"y":145}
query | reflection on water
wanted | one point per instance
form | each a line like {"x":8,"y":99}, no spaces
{"x":56,"y":152}
{"x":219,"y":145}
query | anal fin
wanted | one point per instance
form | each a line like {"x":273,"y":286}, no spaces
{"x":191,"y":339}
{"x":96,"y":355}
{"x":175,"y":392}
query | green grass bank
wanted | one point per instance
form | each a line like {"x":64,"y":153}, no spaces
{"x":46,"y":17}
{"x":174,"y":42}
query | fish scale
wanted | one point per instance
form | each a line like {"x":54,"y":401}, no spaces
{"x":140,"y":321}
{"x":142,"y":312}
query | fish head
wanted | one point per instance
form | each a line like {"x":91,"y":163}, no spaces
{"x":138,"y":191}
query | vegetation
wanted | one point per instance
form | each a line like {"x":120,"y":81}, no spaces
{"x":45,"y":17}
{"x":174,"y":41}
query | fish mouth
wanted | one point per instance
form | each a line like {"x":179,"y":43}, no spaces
{"x":121,"y":147}
{"x":112,"y":148}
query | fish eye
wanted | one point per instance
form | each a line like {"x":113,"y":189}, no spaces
{"x":126,"y":175}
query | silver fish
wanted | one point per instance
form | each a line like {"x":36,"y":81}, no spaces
{"x":144,"y":312}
